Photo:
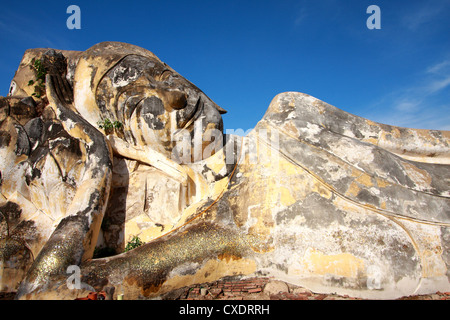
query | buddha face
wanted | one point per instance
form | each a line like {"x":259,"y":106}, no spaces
{"x":160,"y":108}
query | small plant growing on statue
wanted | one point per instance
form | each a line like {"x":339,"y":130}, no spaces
{"x":133,"y":243}
{"x":39,"y":83}
{"x":109,"y":125}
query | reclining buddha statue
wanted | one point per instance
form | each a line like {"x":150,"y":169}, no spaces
{"x":111,"y":144}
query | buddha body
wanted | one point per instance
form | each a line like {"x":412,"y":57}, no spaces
{"x":312,"y":195}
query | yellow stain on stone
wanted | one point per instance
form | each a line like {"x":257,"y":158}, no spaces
{"x":420,"y":177}
{"x":355,"y":172}
{"x":292,"y":103}
{"x":322,"y":190}
{"x":371,"y":123}
{"x":427,"y":136}
{"x":131,"y":228}
{"x":145,"y":228}
{"x":365,"y":180}
{"x":288,"y":169}
{"x":216,"y":166}
{"x":85,"y":85}
{"x":432,"y":264}
{"x":149,"y":234}
{"x":260,"y":220}
{"x":381,"y":183}
{"x":255,"y":209}
{"x":28,"y":209}
{"x":2,"y":199}
{"x":319,"y":106}
{"x":38,"y":197}
{"x":286,"y":197}
{"x":353,"y":189}
{"x":396,"y":132}
{"x":20,"y":159}
{"x":219,"y":186}
{"x":343,"y":264}
{"x":198,"y":182}
{"x":349,"y":206}
{"x":291,"y":128}
{"x":246,"y":167}
{"x":78,"y":132}
{"x":373,"y":141}
{"x":216,"y":162}
{"x":428,"y":240}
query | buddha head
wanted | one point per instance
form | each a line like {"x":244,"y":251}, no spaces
{"x":154,"y":105}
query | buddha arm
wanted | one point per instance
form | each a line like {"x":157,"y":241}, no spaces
{"x":75,"y":237}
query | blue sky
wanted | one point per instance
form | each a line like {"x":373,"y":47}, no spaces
{"x":243,"y":53}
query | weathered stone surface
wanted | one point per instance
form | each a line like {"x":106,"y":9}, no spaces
{"x":313,"y":196}
{"x":275,"y":287}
